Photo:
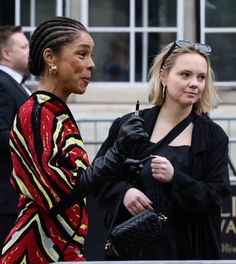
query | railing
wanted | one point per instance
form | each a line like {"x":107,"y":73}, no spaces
{"x":95,"y":131}
{"x":159,"y":262}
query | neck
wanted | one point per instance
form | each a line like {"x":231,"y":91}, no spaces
{"x":52,"y":88}
{"x":174,"y":114}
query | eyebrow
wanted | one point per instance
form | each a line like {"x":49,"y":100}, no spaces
{"x":86,"y":46}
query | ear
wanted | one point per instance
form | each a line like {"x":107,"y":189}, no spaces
{"x":163,"y":77}
{"x":48,"y":56}
{"x":5,"y":54}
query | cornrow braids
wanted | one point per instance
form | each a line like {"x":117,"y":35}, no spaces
{"x":53,"y":33}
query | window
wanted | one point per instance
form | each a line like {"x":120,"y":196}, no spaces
{"x":128,"y":34}
{"x":28,"y":14}
{"x":218,"y":29}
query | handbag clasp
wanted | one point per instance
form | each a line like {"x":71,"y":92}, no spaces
{"x":162,"y":217}
{"x":107,"y":245}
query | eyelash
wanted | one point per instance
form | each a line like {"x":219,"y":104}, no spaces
{"x":82,"y":54}
{"x":186,"y":74}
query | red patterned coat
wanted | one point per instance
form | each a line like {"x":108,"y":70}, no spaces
{"x":47,"y":151}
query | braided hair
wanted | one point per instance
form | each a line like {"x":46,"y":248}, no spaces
{"x":53,"y":33}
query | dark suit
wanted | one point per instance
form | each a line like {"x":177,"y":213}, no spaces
{"x":12,"y":96}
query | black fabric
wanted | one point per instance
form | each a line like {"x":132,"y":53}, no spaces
{"x":199,"y":193}
{"x":12,"y":96}
{"x":124,"y":238}
{"x":7,"y":221}
{"x":135,"y":233}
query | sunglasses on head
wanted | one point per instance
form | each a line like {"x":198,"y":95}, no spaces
{"x":186,"y":44}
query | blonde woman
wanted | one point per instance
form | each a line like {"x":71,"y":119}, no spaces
{"x":188,"y":179}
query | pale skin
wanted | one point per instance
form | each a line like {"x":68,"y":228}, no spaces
{"x":74,"y":67}
{"x":184,"y":83}
{"x":16,"y":52}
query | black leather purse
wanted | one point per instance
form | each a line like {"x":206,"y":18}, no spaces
{"x":143,"y":228}
{"x":136,"y":232}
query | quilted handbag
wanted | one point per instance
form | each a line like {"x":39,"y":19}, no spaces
{"x":135,"y":233}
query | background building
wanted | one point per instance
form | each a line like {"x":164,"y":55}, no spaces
{"x":128,"y":34}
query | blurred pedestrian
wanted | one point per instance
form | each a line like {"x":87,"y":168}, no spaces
{"x":14,"y":50}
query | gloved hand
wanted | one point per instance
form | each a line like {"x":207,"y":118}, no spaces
{"x":107,"y":166}
{"x":89,"y":181}
{"x":131,"y":133}
{"x":131,"y":169}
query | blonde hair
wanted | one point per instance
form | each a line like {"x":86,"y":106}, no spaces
{"x":209,"y":95}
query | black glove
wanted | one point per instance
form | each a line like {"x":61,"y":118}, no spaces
{"x":131,"y":169}
{"x":106,"y":166}
{"x":90,"y":180}
{"x":131,"y":133}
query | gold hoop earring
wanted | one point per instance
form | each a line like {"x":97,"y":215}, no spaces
{"x":52,"y":69}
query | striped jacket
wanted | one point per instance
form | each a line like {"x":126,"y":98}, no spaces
{"x":47,"y":153}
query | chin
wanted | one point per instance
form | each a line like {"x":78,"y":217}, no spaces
{"x":80,"y":91}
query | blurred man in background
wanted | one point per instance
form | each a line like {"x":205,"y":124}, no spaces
{"x":14,"y":50}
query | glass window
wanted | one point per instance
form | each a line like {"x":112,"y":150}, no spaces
{"x":219,"y":31}
{"x":108,"y":13}
{"x":25,"y":12}
{"x":111,"y":57}
{"x":156,"y":41}
{"x":7,"y":16}
{"x":223,"y":56}
{"x":127,"y":41}
{"x":220,"y":13}
{"x":162,"y":13}
{"x":30,"y":14}
{"x":44,"y":9}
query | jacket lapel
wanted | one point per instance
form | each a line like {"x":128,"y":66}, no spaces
{"x":15,"y":83}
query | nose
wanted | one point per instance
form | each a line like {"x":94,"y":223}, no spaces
{"x":193,"y":82}
{"x":91,"y":64}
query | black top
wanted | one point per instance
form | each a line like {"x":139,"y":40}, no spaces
{"x":169,"y":247}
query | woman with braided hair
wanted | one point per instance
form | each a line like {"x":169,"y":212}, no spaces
{"x":52,"y":174}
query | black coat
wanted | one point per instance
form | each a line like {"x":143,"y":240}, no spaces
{"x":12,"y":96}
{"x":196,"y":198}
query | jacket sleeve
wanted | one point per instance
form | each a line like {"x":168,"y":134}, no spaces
{"x":206,"y":189}
{"x":47,"y":151}
{"x":111,"y":191}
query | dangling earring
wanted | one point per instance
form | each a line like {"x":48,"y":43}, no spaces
{"x":52,"y":69}
{"x":163,"y":91}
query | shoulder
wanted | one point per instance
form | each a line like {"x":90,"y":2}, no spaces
{"x":213,"y":130}
{"x":5,"y":78}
